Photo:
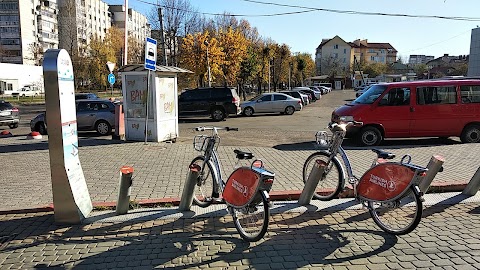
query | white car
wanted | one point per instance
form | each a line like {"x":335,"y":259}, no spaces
{"x":26,"y":91}
{"x":271,"y":103}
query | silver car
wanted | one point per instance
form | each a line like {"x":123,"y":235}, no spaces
{"x":98,"y":115}
{"x":9,"y":115}
{"x":271,"y":103}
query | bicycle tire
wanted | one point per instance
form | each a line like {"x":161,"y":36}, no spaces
{"x":331,"y":184}
{"x":254,"y":229}
{"x":203,"y":192}
{"x":399,"y":213}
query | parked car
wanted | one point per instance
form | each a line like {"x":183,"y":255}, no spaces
{"x":26,"y":91}
{"x":86,"y":96}
{"x":9,"y":115}
{"x":97,"y":115}
{"x":318,"y":90}
{"x":325,"y":89}
{"x":218,"y":102}
{"x":305,"y":98}
{"x":295,"y":94}
{"x":430,"y":108}
{"x":271,"y":103}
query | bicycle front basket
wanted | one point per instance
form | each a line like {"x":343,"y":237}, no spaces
{"x":200,"y":142}
{"x":323,"y":139}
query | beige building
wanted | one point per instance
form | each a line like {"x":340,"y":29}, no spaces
{"x":138,"y":26}
{"x":336,"y":56}
{"x":27,"y":29}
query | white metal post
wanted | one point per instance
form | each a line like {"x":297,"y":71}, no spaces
{"x":125,"y":54}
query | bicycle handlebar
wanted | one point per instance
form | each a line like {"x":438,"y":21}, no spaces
{"x":215,"y":128}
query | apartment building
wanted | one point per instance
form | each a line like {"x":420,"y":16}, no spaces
{"x":138,"y":26}
{"x":27,"y":28}
{"x":416,"y":59}
{"x":338,"y":55}
{"x":474,"y":61}
{"x":79,"y":21}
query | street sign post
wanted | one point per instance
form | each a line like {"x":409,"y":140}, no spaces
{"x":150,"y":64}
{"x":111,"y":80}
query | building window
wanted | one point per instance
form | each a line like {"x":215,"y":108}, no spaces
{"x":335,"y":46}
{"x":344,"y":51}
{"x":344,"y":60}
{"x":372,"y":58}
{"x":371,"y":50}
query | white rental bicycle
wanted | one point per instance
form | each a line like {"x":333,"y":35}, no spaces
{"x":389,"y":190}
{"x":245,"y":192}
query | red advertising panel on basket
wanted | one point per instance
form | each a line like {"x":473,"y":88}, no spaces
{"x":241,"y":186}
{"x":385,"y":181}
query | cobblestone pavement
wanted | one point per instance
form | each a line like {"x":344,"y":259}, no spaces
{"x":161,"y":168}
{"x":448,"y":237}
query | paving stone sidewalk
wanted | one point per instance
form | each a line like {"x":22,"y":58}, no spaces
{"x":161,"y":168}
{"x":448,"y":237}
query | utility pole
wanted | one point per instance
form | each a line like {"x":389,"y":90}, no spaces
{"x":208,"y":66}
{"x":125,"y":41}
{"x":162,"y":37}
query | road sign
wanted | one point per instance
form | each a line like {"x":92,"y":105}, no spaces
{"x":150,"y":53}
{"x":111,"y":78}
{"x":110,"y":66}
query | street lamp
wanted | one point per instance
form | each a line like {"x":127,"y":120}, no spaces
{"x":290,"y":67}
{"x":208,"y":66}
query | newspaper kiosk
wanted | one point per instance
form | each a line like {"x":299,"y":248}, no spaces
{"x":160,"y":100}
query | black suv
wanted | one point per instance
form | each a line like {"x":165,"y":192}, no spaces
{"x":218,"y":102}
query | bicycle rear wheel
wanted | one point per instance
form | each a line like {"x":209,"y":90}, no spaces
{"x":203,"y":191}
{"x":333,"y":179}
{"x":399,"y":217}
{"x":252,"y":221}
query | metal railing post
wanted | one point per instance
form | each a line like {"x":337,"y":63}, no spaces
{"x":473,"y":185}
{"x":312,"y":182}
{"x":187,"y":195}
{"x":434,"y":166}
{"x":123,"y":202}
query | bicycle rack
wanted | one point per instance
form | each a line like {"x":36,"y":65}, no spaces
{"x":187,"y":194}
{"x":312,"y":182}
{"x":434,"y":166}
{"x":473,"y":185}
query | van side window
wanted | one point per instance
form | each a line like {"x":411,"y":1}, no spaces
{"x":470,"y":93}
{"x":436,"y":95}
{"x":396,"y":97}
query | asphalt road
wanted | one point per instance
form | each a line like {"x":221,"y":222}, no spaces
{"x":263,"y":130}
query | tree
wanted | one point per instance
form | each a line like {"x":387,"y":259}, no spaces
{"x":330,"y":66}
{"x":234,"y":47}
{"x":194,"y":58}
{"x":248,"y":68}
{"x":99,"y":56}
{"x":36,"y":51}
{"x":305,"y":67}
{"x":374,"y":69}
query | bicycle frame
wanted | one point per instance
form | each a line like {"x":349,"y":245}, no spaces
{"x":212,"y":156}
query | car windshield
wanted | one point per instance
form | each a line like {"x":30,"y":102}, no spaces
{"x":370,"y":95}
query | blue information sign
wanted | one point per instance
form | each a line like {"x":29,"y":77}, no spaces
{"x":150,"y":54}
{"x":111,"y":78}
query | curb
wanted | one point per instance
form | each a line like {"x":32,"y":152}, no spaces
{"x":285,"y":195}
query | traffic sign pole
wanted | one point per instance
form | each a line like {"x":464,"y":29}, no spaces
{"x":150,"y":64}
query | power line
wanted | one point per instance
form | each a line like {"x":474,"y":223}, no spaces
{"x":313,"y":9}
{"x":352,"y":12}
{"x":436,"y":43}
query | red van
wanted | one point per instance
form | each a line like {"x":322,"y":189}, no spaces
{"x":430,"y":108}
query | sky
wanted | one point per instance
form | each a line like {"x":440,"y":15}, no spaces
{"x":303,"y":32}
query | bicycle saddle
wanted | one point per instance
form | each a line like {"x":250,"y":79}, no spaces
{"x":383,"y":154}
{"x":243,"y":155}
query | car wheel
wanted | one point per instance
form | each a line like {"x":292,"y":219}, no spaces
{"x":218,"y":114}
{"x":289,"y":110}
{"x":248,"y":111}
{"x":471,"y":134}
{"x":12,"y":126}
{"x":40,"y":127}
{"x":103,"y":128}
{"x":370,"y":136}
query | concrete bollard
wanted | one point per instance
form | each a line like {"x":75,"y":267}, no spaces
{"x":123,"y":202}
{"x":474,"y":185}
{"x":312,"y":182}
{"x":188,"y":189}
{"x":434,"y":166}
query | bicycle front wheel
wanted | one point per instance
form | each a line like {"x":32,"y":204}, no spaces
{"x":252,"y":221}
{"x":398,"y":217}
{"x":203,"y":191}
{"x":333,"y":179}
